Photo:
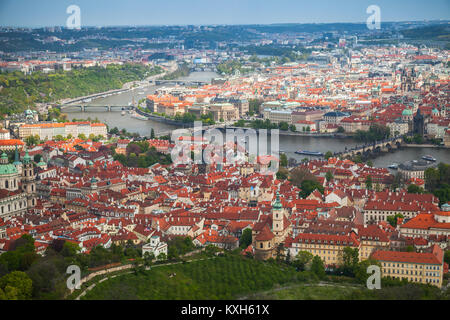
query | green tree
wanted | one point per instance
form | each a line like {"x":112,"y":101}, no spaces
{"x":392,"y":220}
{"x":329,"y":176}
{"x":283,"y":160}
{"x":246,"y":238}
{"x":282,"y":173}
{"x":162,"y":256}
{"x":308,"y":186}
{"x":412,"y":188}
{"x":16,"y":286}
{"x":328,"y":155}
{"x":369,"y":183}
{"x":37,"y":158}
{"x":302,"y":260}
{"x":350,"y":259}
{"x":32,"y":140}
{"x":299,"y":174}
{"x":317,"y":267}
{"x":447,"y":257}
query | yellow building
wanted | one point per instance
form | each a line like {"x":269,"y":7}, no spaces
{"x":371,"y":239}
{"x":50,"y":130}
{"x":426,"y":267}
{"x":225,"y":111}
{"x":330,"y":248}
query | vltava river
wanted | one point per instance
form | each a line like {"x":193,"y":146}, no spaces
{"x":288,"y":144}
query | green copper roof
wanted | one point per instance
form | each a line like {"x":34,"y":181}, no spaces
{"x":277,"y":205}
{"x":7,"y":168}
{"x":27,"y":157}
{"x":407,"y":112}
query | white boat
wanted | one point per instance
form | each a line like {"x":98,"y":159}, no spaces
{"x":429,"y":158}
{"x":393,"y":166}
{"x":138,"y":116}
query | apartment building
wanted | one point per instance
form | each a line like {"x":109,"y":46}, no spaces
{"x":48,"y":131}
{"x":418,"y":267}
{"x":425,"y":225}
{"x":330,"y":248}
{"x":277,"y":116}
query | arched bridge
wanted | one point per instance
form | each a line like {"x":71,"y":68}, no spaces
{"x":84,"y":107}
{"x":180,"y":82}
{"x":371,"y":148}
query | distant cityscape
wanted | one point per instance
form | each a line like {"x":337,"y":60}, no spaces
{"x":105,"y":193}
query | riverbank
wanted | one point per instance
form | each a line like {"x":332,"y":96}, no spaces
{"x":413,"y":145}
{"x":162,"y":119}
{"x":126,"y":87}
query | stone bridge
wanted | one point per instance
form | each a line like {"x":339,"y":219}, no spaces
{"x":371,"y":148}
{"x":84,"y":107}
{"x":180,"y":82}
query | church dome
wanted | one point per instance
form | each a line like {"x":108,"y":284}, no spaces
{"x":407,"y":112}
{"x":5,"y":167}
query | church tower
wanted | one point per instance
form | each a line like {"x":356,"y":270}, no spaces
{"x":28,"y":180}
{"x":17,"y":162}
{"x":278,"y":219}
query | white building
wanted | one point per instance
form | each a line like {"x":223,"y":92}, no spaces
{"x":155,"y":246}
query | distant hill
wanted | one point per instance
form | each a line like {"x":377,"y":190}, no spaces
{"x":436,"y":32}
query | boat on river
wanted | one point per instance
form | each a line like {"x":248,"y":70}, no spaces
{"x":393,"y":166}
{"x":309,"y":153}
{"x":429,"y":158}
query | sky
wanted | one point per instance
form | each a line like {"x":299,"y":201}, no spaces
{"x":38,"y":13}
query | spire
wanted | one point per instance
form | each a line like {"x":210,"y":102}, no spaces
{"x":16,"y":157}
{"x":27,"y":157}
{"x":277,"y":205}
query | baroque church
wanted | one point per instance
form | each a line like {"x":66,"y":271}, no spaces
{"x":17,"y":185}
{"x":271,"y":231}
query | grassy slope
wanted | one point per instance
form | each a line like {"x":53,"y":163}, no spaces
{"x":235,"y":277}
{"x":219,"y":278}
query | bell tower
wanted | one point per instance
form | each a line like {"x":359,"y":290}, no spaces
{"x":277,"y":218}
{"x":28,"y":180}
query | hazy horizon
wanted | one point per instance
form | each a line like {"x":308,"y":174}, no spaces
{"x":141,"y":13}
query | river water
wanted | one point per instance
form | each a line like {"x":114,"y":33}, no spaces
{"x":289,"y":144}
